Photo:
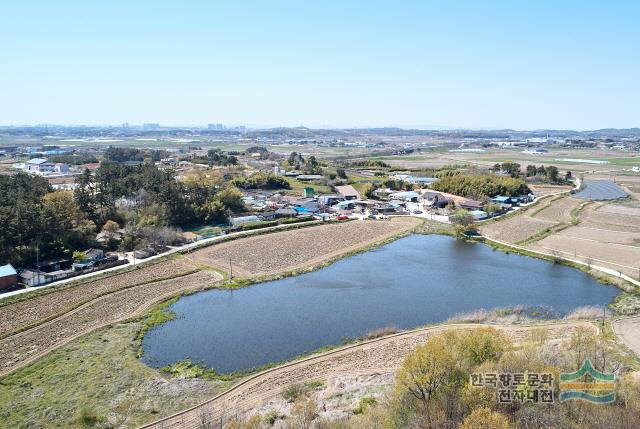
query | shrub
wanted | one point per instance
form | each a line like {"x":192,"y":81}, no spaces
{"x":87,"y":416}
{"x":293,"y":392}
{"x":365,"y":402}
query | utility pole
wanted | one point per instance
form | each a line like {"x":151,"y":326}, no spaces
{"x":38,"y":262}
{"x":230,"y":269}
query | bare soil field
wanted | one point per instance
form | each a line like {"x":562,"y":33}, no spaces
{"x":607,"y":235}
{"x":558,"y":210}
{"x":613,"y":216}
{"x":381,"y":356}
{"x":515,"y":228}
{"x":620,"y":257}
{"x":32,"y":311}
{"x":522,"y":226}
{"x":20,"y":349}
{"x":491,"y":156}
{"x":540,"y":190}
{"x":293,"y":250}
{"x":602,"y":235}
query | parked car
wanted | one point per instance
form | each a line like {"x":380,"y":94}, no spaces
{"x":417,"y":212}
{"x":342,"y":217}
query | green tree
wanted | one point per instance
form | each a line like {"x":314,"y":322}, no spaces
{"x":552,"y":173}
{"x":463,"y":221}
{"x":426,"y":372}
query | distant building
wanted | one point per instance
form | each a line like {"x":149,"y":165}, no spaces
{"x":536,"y":151}
{"x":236,"y":221}
{"x":42,"y":166}
{"x":348,"y":192}
{"x":308,"y":177}
{"x":409,"y":196}
{"x":38,"y":166}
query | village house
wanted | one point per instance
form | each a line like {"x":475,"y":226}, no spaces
{"x":91,"y":257}
{"x":8,"y":276}
{"x":42,"y":167}
{"x":237,"y":221}
{"x":348,"y":192}
{"x":105,"y":236}
{"x":407,"y":196}
{"x":434,"y":199}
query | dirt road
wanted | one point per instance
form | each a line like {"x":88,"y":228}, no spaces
{"x":383,"y":355}
{"x":628,"y":330}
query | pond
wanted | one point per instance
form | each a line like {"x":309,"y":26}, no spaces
{"x":413,"y":281}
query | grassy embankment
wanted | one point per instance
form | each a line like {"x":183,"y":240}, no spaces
{"x":94,"y":380}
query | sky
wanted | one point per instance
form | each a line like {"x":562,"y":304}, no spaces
{"x":425,"y":64}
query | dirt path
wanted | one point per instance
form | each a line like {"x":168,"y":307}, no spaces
{"x":628,"y":330}
{"x":20,"y":349}
{"x":382,"y":355}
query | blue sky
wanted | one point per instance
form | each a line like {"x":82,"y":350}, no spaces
{"x":474,"y":64}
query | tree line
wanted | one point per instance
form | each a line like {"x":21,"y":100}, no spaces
{"x":481,"y":186}
{"x":149,"y":204}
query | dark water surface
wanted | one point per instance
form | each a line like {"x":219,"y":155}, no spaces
{"x":413,"y":281}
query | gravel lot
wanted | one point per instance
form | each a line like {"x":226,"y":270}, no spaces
{"x":291,"y":250}
{"x":40,"y":308}
{"x":22,"y":348}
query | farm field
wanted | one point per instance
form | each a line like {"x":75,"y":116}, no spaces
{"x":297,"y":249}
{"x":533,"y":221}
{"x":558,"y":210}
{"x":541,"y":190}
{"x":598,"y":233}
{"x":20,"y":349}
{"x":30,"y":309}
{"x":620,"y":257}
{"x":612,"y":217}
{"x":580,"y":160}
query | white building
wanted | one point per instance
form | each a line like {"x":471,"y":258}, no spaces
{"x":42,"y":167}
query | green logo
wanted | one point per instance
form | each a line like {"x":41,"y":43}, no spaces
{"x":587,"y":384}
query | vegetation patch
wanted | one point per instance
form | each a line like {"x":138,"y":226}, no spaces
{"x":96,"y":380}
{"x":158,"y":315}
{"x":187,"y":369}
